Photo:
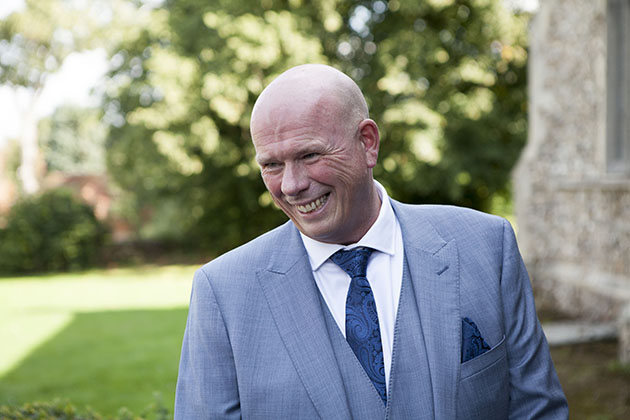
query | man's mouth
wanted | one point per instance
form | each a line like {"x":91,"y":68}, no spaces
{"x":314,"y":205}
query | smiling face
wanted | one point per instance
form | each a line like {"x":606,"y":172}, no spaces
{"x":316,"y":153}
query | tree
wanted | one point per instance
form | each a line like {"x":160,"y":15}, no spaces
{"x":73,"y":140}
{"x":445,"y":81}
{"x":34,"y":42}
{"x":185,"y":96}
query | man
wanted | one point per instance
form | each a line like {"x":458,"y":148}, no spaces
{"x":359,"y":307}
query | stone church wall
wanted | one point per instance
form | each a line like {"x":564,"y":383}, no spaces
{"x":573,"y":217}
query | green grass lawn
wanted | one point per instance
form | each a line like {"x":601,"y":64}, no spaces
{"x":105,"y":339}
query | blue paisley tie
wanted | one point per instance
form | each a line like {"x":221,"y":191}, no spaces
{"x":362,"y":331}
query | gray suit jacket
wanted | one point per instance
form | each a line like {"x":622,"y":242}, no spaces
{"x":258,"y":344}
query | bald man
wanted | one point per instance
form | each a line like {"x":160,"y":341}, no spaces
{"x":359,"y":307}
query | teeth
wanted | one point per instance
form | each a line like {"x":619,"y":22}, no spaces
{"x":313,"y":205}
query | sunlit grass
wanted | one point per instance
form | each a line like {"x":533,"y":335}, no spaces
{"x":105,"y":338}
{"x":106,"y":360}
{"x":123,"y":288}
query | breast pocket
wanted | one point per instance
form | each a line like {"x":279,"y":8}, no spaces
{"x":483,"y":361}
{"x":484,"y":385}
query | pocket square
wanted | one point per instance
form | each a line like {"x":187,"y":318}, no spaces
{"x":473,"y":343}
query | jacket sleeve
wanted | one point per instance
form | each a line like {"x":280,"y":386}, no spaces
{"x":206,"y":385}
{"x":535,"y":392}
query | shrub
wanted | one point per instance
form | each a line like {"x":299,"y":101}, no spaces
{"x":46,"y":411}
{"x":59,"y":410}
{"x":50,"y":232}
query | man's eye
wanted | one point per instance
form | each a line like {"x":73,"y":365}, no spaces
{"x":310,"y":155}
{"x":271,"y":165}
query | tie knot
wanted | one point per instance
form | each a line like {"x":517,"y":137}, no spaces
{"x":354,"y":262}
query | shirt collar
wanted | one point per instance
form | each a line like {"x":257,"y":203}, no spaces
{"x":381,"y":236}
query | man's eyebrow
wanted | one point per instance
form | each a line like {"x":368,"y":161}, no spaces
{"x":260,"y":159}
{"x":295,"y":152}
{"x":263,"y":159}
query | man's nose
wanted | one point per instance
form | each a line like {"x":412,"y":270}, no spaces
{"x":294,"y":180}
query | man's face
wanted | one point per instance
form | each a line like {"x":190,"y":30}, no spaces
{"x":319,"y":175}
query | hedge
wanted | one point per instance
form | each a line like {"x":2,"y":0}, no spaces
{"x":59,"y":410}
{"x":50,"y":232}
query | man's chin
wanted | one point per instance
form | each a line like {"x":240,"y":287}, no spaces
{"x":311,"y":232}
{"x":318,"y":231}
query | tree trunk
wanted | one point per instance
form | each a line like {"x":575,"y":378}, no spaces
{"x":31,"y":164}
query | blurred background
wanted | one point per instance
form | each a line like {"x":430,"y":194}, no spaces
{"x":125,"y":163}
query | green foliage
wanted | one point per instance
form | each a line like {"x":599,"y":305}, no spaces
{"x":35,"y":41}
{"x":52,"y":231}
{"x":445,"y":81}
{"x":10,"y":151}
{"x":58,"y":410}
{"x":72,"y":140}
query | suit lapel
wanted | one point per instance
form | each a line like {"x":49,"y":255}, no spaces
{"x":434,"y":270}
{"x":293,"y":299}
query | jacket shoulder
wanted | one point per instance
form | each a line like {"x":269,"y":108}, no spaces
{"x":452,"y":221}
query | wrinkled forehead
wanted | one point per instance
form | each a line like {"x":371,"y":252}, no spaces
{"x":287,"y":112}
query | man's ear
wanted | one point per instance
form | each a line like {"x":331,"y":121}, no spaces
{"x":369,"y":137}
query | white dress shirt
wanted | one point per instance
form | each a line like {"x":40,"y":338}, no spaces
{"x":384,"y":273}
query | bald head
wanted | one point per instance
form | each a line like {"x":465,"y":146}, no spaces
{"x":310,"y":91}
{"x":316,"y":148}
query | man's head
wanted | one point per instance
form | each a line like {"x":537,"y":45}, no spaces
{"x":316,"y":149}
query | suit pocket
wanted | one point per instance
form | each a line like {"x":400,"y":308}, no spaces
{"x":484,"y":387}
{"x":483,"y":361}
